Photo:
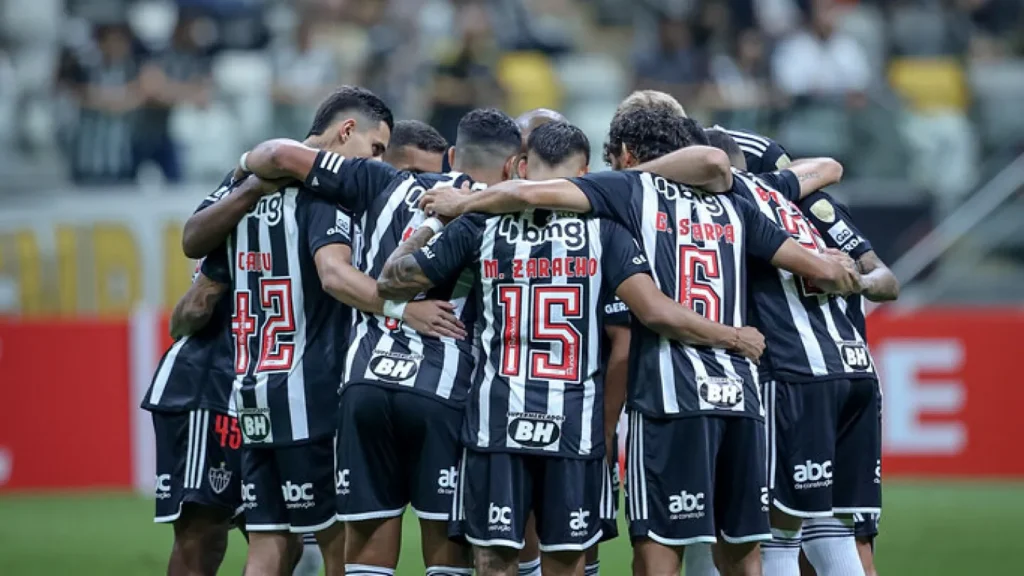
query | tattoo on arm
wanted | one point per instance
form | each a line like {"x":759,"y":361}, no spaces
{"x":803,"y":177}
{"x":402,"y":278}
{"x":194,"y":309}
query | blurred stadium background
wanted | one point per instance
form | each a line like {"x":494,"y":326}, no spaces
{"x":117,"y":117}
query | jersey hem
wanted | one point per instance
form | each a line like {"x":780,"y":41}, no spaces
{"x":791,"y":378}
{"x":694,"y":414}
{"x":524,"y":452}
{"x":459,"y":404}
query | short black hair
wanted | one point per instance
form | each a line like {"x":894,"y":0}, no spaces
{"x":355,"y":99}
{"x":554,"y":142}
{"x":725,"y":142}
{"x":486,"y":136}
{"x":419,"y":135}
{"x":650,"y":133}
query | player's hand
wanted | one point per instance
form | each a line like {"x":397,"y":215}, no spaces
{"x":434,"y":318}
{"x":444,"y":203}
{"x":749,"y":343}
{"x":843,"y":258}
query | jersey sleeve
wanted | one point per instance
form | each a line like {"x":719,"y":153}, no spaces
{"x":763,"y":238}
{"x":216,"y":266}
{"x":616,"y":313}
{"x":326,"y":224}
{"x":833,"y":221}
{"x":610,"y":194}
{"x":351,"y":182}
{"x":226,"y":186}
{"x":785,"y":181}
{"x":621,"y":256}
{"x":452,"y":249}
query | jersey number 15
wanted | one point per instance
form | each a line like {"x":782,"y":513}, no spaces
{"x":534,"y":315}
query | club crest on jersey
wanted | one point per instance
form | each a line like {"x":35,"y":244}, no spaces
{"x":722,"y":393}
{"x":219,"y":478}
{"x":855,"y":355}
{"x":823,"y":209}
{"x":255,"y":425}
{"x":392,"y":367}
{"x":570,"y":231}
{"x":534,"y":430}
{"x":269,"y":209}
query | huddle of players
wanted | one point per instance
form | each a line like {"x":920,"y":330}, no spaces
{"x":484,"y":401}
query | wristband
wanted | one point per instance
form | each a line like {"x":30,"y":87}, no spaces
{"x":241,"y":162}
{"x":433,"y":223}
{"x":394,"y":310}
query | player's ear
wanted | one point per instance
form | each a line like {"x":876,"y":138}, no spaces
{"x":628,"y":160}
{"x":451,"y":158}
{"x":508,"y":171}
{"x":345,"y":129}
{"x":520,"y":167}
{"x":583,"y":171}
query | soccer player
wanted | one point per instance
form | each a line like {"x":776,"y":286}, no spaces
{"x":402,"y":402}
{"x":197,"y":485}
{"x":535,"y":431}
{"x":415,"y":147}
{"x":823,"y":389}
{"x":693,"y":396}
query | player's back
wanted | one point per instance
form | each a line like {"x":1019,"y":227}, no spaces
{"x":289,"y":333}
{"x":388,"y":353}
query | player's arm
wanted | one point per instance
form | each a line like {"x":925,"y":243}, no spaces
{"x":220,"y":213}
{"x":830,"y":273}
{"x":815,"y":173}
{"x":195,"y":308}
{"x":616,"y":378}
{"x":702,"y":167}
{"x":436,"y":258}
{"x":878,"y":282}
{"x":350,"y":182}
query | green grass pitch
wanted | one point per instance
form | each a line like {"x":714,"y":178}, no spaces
{"x":928,"y":528}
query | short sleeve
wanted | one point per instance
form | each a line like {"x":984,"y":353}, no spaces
{"x":452,"y":249}
{"x":835,"y":225}
{"x":325,"y":224}
{"x":610,"y":194}
{"x":762,"y":237}
{"x":616,"y":312}
{"x":226,"y":186}
{"x":785,"y":181}
{"x":621,"y":256}
{"x":351,"y":182}
{"x":215,"y":265}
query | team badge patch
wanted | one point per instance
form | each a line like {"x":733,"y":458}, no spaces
{"x":824,"y":211}
{"x":219,"y":478}
{"x":783,"y":162}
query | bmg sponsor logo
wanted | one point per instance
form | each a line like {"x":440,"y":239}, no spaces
{"x":812,"y":475}
{"x":297,"y":496}
{"x":162,"y":486}
{"x":499,"y":518}
{"x":686,"y":506}
{"x":570,"y":231}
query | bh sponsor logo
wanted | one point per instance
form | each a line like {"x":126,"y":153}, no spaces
{"x":534,"y":430}
{"x":255,"y":425}
{"x":812,"y":475}
{"x":855,"y":355}
{"x":248,"y":496}
{"x":499,"y":518}
{"x":162,"y":486}
{"x":721,"y":393}
{"x":686,"y":506}
{"x":578,"y":523}
{"x":392,"y":367}
{"x":447,"y":478}
{"x":342,"y":484}
{"x":297,"y":496}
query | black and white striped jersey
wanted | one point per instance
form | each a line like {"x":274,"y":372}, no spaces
{"x":697,"y":245}
{"x":808,"y":334}
{"x":288,"y":333}
{"x":196,"y":372}
{"x":541,"y":280}
{"x":384,"y":352}
{"x":835,"y":225}
{"x":762,"y":154}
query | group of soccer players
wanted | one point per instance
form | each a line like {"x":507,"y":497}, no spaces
{"x":381,"y":321}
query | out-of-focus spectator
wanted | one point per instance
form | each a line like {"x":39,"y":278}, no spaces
{"x":819,"y":60}
{"x":304,"y":72}
{"x":8,"y":97}
{"x":742,"y":82}
{"x":675,"y":65}
{"x":464,"y":78}
{"x":108,"y":95}
{"x":175,"y":77}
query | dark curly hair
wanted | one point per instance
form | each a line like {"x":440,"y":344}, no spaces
{"x":351,"y":99}
{"x":650,"y":133}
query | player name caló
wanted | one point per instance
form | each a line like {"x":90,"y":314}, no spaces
{"x":254,"y":261}
{"x":570,"y":267}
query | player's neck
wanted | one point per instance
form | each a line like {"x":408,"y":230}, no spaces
{"x":316,"y":141}
{"x":487,"y":176}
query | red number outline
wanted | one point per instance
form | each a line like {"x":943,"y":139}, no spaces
{"x":692,"y":289}
{"x":275,"y":355}
{"x":510,"y":298}
{"x":243,"y":326}
{"x":544,"y":365}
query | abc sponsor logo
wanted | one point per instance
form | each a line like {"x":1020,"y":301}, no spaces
{"x":686,"y":506}
{"x":447,"y":478}
{"x":534,"y":430}
{"x":764,"y":499}
{"x":342,"y":484}
{"x":248,"y":496}
{"x":394,"y":367}
{"x":878,"y":471}
{"x":162,"y":486}
{"x":578,"y":523}
{"x":297,"y":496}
{"x":499,"y":518}
{"x":812,"y":475}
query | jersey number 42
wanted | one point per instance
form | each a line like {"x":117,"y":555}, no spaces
{"x":278,"y":315}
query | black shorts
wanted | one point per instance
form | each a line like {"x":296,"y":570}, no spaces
{"x":396,"y":448}
{"x":571,"y":500}
{"x":197,"y":461}
{"x":289,"y":488}
{"x":825,"y":447}
{"x":690,"y":480}
{"x":611,"y":524}
{"x":865,"y":527}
